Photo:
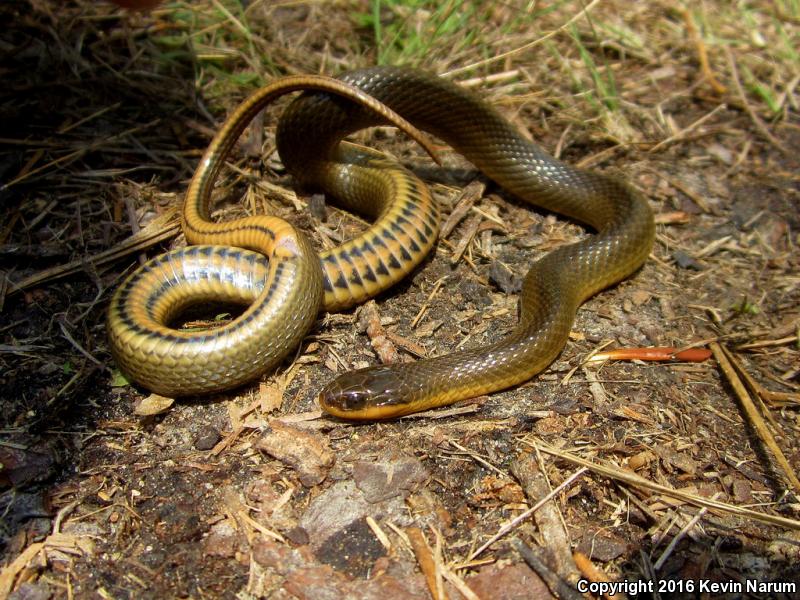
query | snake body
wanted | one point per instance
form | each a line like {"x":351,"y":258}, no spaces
{"x":282,"y":279}
{"x":308,"y":141}
{"x":553,"y":288}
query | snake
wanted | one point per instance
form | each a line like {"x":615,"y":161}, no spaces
{"x":265,"y":263}
{"x":308,"y":140}
{"x":553,"y":288}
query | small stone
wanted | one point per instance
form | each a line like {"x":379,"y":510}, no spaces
{"x":550,"y":425}
{"x":31,"y":591}
{"x":297,"y":535}
{"x":387,"y":479}
{"x":679,"y":460}
{"x":602,"y":545}
{"x":24,"y":466}
{"x":207,"y":437}
{"x":342,"y":504}
{"x":352,"y":550}
{"x":222,"y":541}
{"x":473,"y":292}
{"x":501,"y":276}
{"x":280,"y":557}
{"x":639,"y":297}
{"x":316,"y":205}
{"x":514,"y":582}
{"x":685,"y":261}
{"x":742,"y":492}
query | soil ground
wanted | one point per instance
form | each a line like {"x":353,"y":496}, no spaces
{"x":107,"y":492}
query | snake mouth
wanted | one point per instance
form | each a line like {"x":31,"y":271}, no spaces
{"x":366,"y":413}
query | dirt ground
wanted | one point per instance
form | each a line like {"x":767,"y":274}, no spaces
{"x":106,"y":492}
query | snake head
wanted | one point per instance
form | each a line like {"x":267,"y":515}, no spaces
{"x":365,"y":394}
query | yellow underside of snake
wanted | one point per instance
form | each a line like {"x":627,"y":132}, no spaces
{"x":309,"y":135}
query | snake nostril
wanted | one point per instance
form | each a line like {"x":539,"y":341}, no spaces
{"x":328,"y":399}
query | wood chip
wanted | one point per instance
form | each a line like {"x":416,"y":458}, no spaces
{"x":470,"y":229}
{"x":304,"y":451}
{"x":270,"y":397}
{"x":469,"y":195}
{"x":548,"y":518}
{"x":369,"y":319}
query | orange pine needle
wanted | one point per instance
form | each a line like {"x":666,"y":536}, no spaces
{"x":663,"y":353}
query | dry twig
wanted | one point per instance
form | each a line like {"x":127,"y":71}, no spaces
{"x":520,"y":518}
{"x":753,"y":414}
{"x":702,"y":53}
{"x":750,"y":111}
{"x":638,"y":481}
{"x":427,"y":562}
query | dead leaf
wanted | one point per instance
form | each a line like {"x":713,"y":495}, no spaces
{"x":153,"y":405}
